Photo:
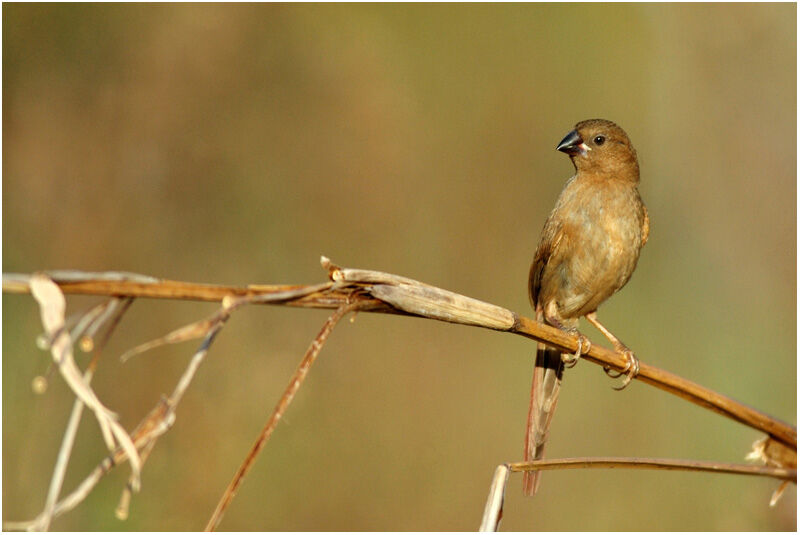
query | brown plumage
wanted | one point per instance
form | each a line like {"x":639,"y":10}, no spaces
{"x":588,"y":250}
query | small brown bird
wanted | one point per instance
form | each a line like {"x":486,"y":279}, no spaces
{"x":589,"y":248}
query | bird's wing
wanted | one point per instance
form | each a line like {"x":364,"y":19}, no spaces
{"x":552,"y":236}
{"x":548,"y":368}
{"x":645,"y":225}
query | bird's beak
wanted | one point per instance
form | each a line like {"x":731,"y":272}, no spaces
{"x":573,"y":144}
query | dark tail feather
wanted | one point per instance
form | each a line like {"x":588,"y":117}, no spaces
{"x":547,"y":375}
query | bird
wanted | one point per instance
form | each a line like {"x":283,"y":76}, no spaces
{"x":588,"y":250}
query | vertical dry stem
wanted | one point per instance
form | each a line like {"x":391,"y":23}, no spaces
{"x":297,"y":379}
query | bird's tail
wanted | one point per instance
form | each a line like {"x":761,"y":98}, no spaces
{"x":547,"y":375}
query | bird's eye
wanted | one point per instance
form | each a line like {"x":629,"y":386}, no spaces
{"x":599,"y":140}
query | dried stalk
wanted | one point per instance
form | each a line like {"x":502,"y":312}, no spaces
{"x":52,"y":308}
{"x":349,"y":290}
{"x":294,"y":384}
{"x":641,"y":463}
{"x":143,"y":438}
{"x":112,"y":310}
{"x":109,"y":309}
{"x":493,"y":511}
{"x":400,"y":295}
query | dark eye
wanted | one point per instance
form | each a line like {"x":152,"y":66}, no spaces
{"x":599,"y":140}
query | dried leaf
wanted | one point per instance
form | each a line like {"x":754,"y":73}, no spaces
{"x":52,"y":307}
{"x":192,"y":331}
{"x":52,"y":304}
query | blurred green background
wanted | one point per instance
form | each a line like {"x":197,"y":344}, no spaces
{"x":236,"y":144}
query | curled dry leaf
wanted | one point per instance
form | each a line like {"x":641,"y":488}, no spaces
{"x":195,"y":330}
{"x":52,"y":304}
{"x":52,"y":307}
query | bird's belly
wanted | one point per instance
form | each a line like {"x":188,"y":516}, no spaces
{"x":602,"y":258}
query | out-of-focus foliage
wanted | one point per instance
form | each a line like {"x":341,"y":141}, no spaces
{"x":236,"y":144}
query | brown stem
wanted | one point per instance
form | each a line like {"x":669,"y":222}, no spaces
{"x":655,"y":464}
{"x":335,"y":296}
{"x":294,"y":384}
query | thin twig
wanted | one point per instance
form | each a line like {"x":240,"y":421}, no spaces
{"x":42,"y":522}
{"x":162,"y":416}
{"x":144,"y":436}
{"x":294,"y":384}
{"x":71,"y":431}
{"x":655,"y":464}
{"x":52,"y":307}
{"x":63,"y":457}
{"x":69,"y":502}
{"x":95,"y":315}
{"x":493,"y":511}
{"x":194,"y":363}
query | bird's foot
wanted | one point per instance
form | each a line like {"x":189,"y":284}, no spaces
{"x":584,"y":345}
{"x":630,"y":371}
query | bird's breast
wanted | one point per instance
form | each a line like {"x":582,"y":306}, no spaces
{"x":603,"y":227}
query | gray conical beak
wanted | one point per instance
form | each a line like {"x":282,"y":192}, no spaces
{"x":570,"y":143}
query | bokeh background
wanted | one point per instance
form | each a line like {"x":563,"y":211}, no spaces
{"x":236,"y":144}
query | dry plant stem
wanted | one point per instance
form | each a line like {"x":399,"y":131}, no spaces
{"x":63,"y":458}
{"x":115,"y":312}
{"x":52,"y":307}
{"x":160,"y":417}
{"x":156,"y":423}
{"x":92,"y":317}
{"x":110,"y":309}
{"x":297,"y":379}
{"x":667,"y":381}
{"x":493,"y":511}
{"x":350,"y":289}
{"x":426,"y":301}
{"x":69,"y":502}
{"x":787,"y":474}
{"x":194,"y":364}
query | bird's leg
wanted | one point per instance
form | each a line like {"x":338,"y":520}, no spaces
{"x":552,"y":317}
{"x":631,"y":368}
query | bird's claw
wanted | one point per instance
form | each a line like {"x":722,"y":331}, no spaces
{"x":630,"y":371}
{"x":584,"y":345}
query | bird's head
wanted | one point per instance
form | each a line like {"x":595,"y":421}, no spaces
{"x":600,"y":146}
